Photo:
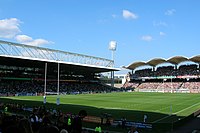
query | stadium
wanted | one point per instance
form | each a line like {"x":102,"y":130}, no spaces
{"x":64,"y":83}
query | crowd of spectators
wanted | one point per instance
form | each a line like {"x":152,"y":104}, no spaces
{"x":149,"y":85}
{"x":168,"y":71}
{"x":185,"y":78}
{"x":185,"y":86}
{"x":143,"y":73}
{"x":39,"y":120}
{"x":194,"y":87}
{"x":16,"y":118}
{"x":169,"y":85}
{"x":188,"y":70}
{"x":164,"y":71}
{"x":130,"y":85}
{"x":15,"y":87}
{"x":11,"y":88}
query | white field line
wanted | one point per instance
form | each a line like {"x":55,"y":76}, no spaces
{"x":186,"y":108}
{"x":168,"y":107}
{"x":161,"y":119}
{"x":162,"y":108}
{"x":176,"y":112}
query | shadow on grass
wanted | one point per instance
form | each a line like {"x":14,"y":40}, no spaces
{"x":160,"y":122}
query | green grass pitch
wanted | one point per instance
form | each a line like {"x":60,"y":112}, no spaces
{"x":159,"y":107}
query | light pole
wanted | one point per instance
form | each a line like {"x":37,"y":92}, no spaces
{"x":112,"y":48}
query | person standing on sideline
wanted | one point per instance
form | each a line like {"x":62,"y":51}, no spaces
{"x":133,"y":130}
{"x":145,"y":118}
{"x":123,"y":122}
{"x":98,"y":128}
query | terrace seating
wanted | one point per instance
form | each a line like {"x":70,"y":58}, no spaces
{"x":169,"y":85}
{"x":194,"y":87}
{"x":161,"y":79}
{"x":11,"y":88}
{"x":130,"y":85}
{"x":168,"y":71}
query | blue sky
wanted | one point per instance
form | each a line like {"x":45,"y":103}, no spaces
{"x":143,"y":29}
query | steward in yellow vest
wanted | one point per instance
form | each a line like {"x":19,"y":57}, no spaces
{"x":98,"y":129}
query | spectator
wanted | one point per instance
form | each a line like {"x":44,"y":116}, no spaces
{"x":98,"y":128}
{"x":133,"y":130}
{"x":34,"y":120}
{"x":60,"y":121}
{"x":123,"y":122}
{"x":25,"y":126}
{"x":49,"y":129}
{"x":77,"y":122}
{"x":63,"y":131}
{"x":12,"y":129}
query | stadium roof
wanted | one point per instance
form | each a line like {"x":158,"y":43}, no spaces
{"x":177,"y":59}
{"x":156,"y":61}
{"x":195,"y":59}
{"x":14,"y":54}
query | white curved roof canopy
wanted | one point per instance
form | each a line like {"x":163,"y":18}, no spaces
{"x":156,"y":61}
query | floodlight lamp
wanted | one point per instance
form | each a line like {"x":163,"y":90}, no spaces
{"x":112,"y":45}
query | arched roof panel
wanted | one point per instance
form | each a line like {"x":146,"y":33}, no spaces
{"x":177,"y":59}
{"x":136,"y":64}
{"x":195,"y":59}
{"x":156,"y":61}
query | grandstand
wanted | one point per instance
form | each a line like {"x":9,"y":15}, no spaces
{"x":34,"y":71}
{"x":31,"y":70}
{"x":183,"y":75}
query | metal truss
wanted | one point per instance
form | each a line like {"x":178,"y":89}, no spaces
{"x":22,"y":50}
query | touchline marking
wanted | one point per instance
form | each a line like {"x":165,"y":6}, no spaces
{"x":163,"y":108}
{"x":161,"y":119}
{"x":186,"y":108}
{"x":176,"y":112}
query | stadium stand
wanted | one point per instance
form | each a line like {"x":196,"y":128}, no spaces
{"x":27,"y":70}
{"x":32,"y":88}
{"x":23,"y":68}
{"x":178,"y":78}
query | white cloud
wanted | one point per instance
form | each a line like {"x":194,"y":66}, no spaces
{"x":129,"y":15}
{"x":23,"y":38}
{"x":170,"y":12}
{"x":147,"y":38}
{"x":9,"y":28}
{"x":37,"y":42}
{"x":162,"y":33}
{"x":160,"y":23}
{"x":29,"y":40}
